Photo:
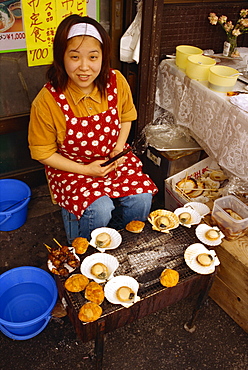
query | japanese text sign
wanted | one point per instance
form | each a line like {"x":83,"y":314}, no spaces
{"x":41,"y":19}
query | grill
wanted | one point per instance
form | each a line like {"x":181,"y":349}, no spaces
{"x":143,"y":256}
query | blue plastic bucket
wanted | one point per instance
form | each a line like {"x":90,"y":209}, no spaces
{"x":28,"y":296}
{"x":14,"y":198}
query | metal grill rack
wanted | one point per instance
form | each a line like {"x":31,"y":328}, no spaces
{"x":143,"y":256}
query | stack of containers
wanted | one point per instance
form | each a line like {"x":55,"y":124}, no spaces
{"x":202,"y":68}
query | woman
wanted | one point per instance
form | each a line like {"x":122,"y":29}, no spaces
{"x":81,"y":118}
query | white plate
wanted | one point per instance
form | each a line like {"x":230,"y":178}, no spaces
{"x":109,"y":261}
{"x":193,"y":251}
{"x":69,"y":268}
{"x":116,"y":238}
{"x":201,"y":230}
{"x":117,"y":282}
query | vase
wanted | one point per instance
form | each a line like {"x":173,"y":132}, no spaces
{"x":230,"y":46}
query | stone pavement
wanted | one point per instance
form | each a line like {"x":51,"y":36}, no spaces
{"x":158,"y":341}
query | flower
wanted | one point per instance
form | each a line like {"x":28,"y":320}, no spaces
{"x":240,"y":27}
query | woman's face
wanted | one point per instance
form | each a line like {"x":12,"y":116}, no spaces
{"x":83,"y":61}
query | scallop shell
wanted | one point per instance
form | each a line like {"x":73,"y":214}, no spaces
{"x":155,"y":217}
{"x":190,"y":256}
{"x":201,"y":208}
{"x":116,"y":238}
{"x":195,"y":217}
{"x":109,"y":261}
{"x":117,"y":282}
{"x":201,"y":231}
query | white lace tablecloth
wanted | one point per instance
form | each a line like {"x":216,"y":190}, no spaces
{"x":220,"y":127}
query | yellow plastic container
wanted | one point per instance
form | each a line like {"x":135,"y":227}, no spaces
{"x":183,"y":52}
{"x":222,"y":78}
{"x":198,"y":67}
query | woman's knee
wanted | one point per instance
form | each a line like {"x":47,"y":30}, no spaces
{"x":98,"y":214}
{"x":102,"y":207}
{"x":136,"y":207}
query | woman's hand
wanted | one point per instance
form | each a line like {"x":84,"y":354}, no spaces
{"x":120,"y":160}
{"x":94,"y":169}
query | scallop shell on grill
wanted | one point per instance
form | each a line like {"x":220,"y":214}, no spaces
{"x":201,"y":232}
{"x":112,"y":286}
{"x":109,"y":261}
{"x":163,"y":220}
{"x":190,"y":256}
{"x":201,"y":208}
{"x":115,"y":236}
{"x":194,"y":217}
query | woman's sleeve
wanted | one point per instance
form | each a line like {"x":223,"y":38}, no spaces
{"x":127,"y":110}
{"x":44,"y":131}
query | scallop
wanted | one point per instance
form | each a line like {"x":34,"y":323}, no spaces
{"x":163,"y":220}
{"x":115,"y":237}
{"x":187,"y":216}
{"x":110,"y":262}
{"x":191,"y":258}
{"x":203,"y":233}
{"x":201,"y":208}
{"x":122,"y":281}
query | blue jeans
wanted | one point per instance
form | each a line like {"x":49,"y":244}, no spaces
{"x":99,"y":214}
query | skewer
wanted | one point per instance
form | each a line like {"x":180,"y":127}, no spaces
{"x":47,"y":247}
{"x":182,"y":191}
{"x":193,"y":189}
{"x":198,"y":189}
{"x":60,"y":246}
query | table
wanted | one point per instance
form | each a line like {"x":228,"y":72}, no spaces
{"x":218,"y":126}
{"x":142,"y":256}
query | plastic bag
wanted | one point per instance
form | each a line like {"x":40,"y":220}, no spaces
{"x":130,"y":41}
{"x":238,"y":188}
{"x":164,"y":134}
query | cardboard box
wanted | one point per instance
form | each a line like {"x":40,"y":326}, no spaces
{"x":175,"y":200}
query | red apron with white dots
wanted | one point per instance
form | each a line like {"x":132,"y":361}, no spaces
{"x":88,"y":139}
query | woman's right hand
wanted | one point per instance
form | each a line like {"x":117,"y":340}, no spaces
{"x":94,"y":169}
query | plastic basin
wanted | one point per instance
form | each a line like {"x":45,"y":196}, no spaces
{"x":183,"y":52}
{"x":198,"y":67}
{"x":222,"y":78}
{"x":27,"y":295}
{"x":14,"y":198}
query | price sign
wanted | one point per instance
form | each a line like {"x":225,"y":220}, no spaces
{"x":40,"y":27}
{"x":41,"y":20}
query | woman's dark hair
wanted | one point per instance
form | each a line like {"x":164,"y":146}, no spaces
{"x":56,"y":73}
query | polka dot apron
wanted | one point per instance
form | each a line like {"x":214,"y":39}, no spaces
{"x":88,"y":139}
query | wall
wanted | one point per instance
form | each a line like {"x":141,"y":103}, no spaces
{"x":166,"y":25}
{"x":188,"y":24}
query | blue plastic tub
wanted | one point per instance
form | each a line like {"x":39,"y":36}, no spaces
{"x":14,"y":198}
{"x":28,"y":296}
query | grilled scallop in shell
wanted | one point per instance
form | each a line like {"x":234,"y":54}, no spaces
{"x":163,"y":220}
{"x":187,"y":216}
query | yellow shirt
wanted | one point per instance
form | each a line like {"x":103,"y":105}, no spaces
{"x":47,"y":127}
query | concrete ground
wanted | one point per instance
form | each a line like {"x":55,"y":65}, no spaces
{"x":158,"y":341}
